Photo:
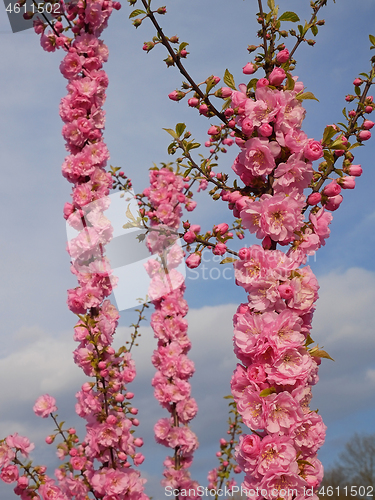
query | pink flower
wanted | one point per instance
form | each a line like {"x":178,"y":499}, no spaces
{"x":313,"y":150}
{"x":259,"y":156}
{"x":9,"y":474}
{"x":20,"y":443}
{"x":44,"y":406}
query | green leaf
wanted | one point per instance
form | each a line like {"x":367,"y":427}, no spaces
{"x":136,"y":12}
{"x":267,"y":392}
{"x":337,"y":145}
{"x":314,"y":29}
{"x":357,"y":91}
{"x":271,"y":4}
{"x":227,"y":260}
{"x":309,"y":341}
{"x":129,"y":215}
{"x":320,"y":353}
{"x":290,"y":82}
{"x":228,"y":397}
{"x":329,"y":132}
{"x":252,"y":84}
{"x":306,"y":95}
{"x":355,"y":145}
{"x":372,"y":39}
{"x":171,"y":132}
{"x":289,"y":16}
{"x":180,"y":127}
{"x":229,"y":80}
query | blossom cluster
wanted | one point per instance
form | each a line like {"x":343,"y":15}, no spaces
{"x":272,"y":384}
{"x":101,"y":463}
{"x":166,"y":290}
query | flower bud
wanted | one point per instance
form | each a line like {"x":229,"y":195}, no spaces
{"x":357,"y":82}
{"x":193,"y":260}
{"x":347,"y":182}
{"x":332,"y":189}
{"x":314,"y":198}
{"x":334,"y":202}
{"x":367,"y":124}
{"x":277,"y":76}
{"x":282,"y":56}
{"x":354,"y":170}
{"x":249,"y":69}
{"x":364,"y":135}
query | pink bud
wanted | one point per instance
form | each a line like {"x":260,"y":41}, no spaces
{"x":189,"y":237}
{"x":352,"y":113}
{"x":173,"y":95}
{"x":223,"y":441}
{"x":195,"y":228}
{"x":49,"y":439}
{"x":334,"y":202}
{"x":193,"y":101}
{"x":218,"y":453}
{"x":267,"y":243}
{"x":247,"y":126}
{"x":138,"y":442}
{"x":72,"y":431}
{"x":355,"y":170}
{"x":237,"y":469}
{"x":214,"y":130}
{"x":282,"y":56}
{"x":357,"y":82}
{"x":364,"y":135}
{"x":193,"y":260}
{"x":135,"y":422}
{"x":129,"y":395}
{"x":347,"y":182}
{"x":221,"y":228}
{"x":119,"y":398}
{"x":219,"y":249}
{"x":73,"y":452}
{"x":262,"y":82}
{"x":314,"y":198}
{"x":286,"y":291}
{"x":134,"y":411}
{"x":369,"y":109}
{"x":265,"y":130}
{"x":203,"y":109}
{"x":225,"y":463}
{"x":111,"y":420}
{"x":231,"y":124}
{"x":332,"y":189}
{"x":349,"y":98}
{"x":228,"y":112}
{"x":277,"y":76}
{"x":249,"y":69}
{"x":226,"y":92}
{"x":138,"y":459}
{"x":183,"y":53}
{"x":367,"y":124}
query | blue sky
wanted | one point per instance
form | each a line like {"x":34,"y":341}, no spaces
{"x":36,"y":326}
